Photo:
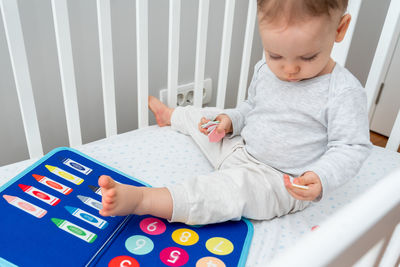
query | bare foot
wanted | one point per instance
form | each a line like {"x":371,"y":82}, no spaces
{"x":161,"y":111}
{"x":119,"y":199}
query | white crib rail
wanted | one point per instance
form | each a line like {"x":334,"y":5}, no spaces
{"x":225,"y":52}
{"x":142,"y":25}
{"x":107,"y":66}
{"x":173,"y":50}
{"x":248,"y":41}
{"x":381,"y":202}
{"x":65,"y":60}
{"x":19,"y":62}
{"x":201,"y":46}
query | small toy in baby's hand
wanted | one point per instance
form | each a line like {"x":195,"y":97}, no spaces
{"x":213,"y":135}
{"x":298,"y":185}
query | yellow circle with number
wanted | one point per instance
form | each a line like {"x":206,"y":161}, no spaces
{"x":185,"y":237}
{"x":219,"y":246}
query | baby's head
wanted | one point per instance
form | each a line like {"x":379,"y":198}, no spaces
{"x":298,"y":35}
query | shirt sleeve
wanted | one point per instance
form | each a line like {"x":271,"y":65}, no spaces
{"x":238,"y":114}
{"x":348,"y":139}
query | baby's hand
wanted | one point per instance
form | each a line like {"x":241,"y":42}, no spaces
{"x":225,"y":124}
{"x":309,"y":179}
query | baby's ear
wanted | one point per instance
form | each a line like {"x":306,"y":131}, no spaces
{"x":342,"y":28}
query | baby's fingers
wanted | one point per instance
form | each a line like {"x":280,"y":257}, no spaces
{"x":297,"y":193}
{"x":203,"y":121}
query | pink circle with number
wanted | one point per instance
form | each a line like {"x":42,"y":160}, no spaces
{"x":174,"y":256}
{"x":152,"y":226}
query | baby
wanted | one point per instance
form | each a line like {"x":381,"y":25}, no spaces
{"x":305,"y":118}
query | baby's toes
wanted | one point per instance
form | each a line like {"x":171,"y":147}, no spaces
{"x":108,"y":205}
{"x":111,"y":193}
{"x":106,"y":182}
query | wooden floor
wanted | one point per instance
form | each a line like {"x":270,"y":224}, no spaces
{"x":379,"y":140}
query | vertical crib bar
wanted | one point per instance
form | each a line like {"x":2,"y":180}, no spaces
{"x":173,"y":50}
{"x":65,"y":61}
{"x":248,"y":41}
{"x":202,"y":24}
{"x":225,"y":52}
{"x":391,"y":255}
{"x":23,"y":84}
{"x":394,"y":138}
{"x":142,"y":61}
{"x":384,"y":51}
{"x":107,"y":65}
{"x":341,"y":50}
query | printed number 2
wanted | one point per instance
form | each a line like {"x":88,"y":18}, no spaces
{"x":174,"y":255}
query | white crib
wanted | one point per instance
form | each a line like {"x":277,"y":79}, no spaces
{"x":359,"y":224}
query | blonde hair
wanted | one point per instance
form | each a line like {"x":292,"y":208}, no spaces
{"x":297,"y":9}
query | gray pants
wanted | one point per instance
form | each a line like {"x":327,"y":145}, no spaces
{"x":240,"y":185}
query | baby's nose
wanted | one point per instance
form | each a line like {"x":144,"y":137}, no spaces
{"x":291,"y":69}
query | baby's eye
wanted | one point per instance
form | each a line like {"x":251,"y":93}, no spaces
{"x":309,"y":58}
{"x":274,"y":57}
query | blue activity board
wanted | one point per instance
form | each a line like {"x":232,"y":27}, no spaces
{"x":49,"y":217}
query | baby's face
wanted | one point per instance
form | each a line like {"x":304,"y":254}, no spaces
{"x":300,"y":50}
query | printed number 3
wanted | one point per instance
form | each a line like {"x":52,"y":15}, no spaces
{"x":174,"y":255}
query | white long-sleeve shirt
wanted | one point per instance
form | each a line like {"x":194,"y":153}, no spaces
{"x":319,"y":124}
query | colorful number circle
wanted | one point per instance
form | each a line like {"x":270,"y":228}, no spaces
{"x":174,"y":256}
{"x":185,"y":237}
{"x":219,"y":246}
{"x":139,"y":244}
{"x":152,"y":226}
{"x":210,"y":262}
{"x":123,"y":261}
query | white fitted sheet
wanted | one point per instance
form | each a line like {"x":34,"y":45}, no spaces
{"x":161,"y":156}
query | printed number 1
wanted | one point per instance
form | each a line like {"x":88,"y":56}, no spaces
{"x":174,"y":255}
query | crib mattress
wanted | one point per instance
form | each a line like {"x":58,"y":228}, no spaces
{"x":161,"y":156}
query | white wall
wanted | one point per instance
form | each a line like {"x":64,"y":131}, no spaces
{"x":40,"y":42}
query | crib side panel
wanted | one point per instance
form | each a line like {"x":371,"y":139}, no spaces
{"x":19,"y":62}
